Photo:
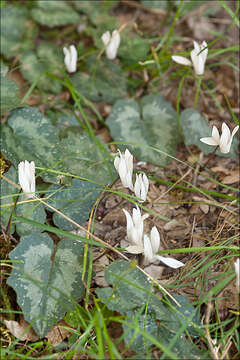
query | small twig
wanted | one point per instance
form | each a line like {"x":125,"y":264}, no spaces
{"x":208,"y":336}
{"x":178,"y":181}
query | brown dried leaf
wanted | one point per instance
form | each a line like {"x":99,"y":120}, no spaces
{"x":21,"y":330}
{"x":57,"y":334}
{"x":231,"y":179}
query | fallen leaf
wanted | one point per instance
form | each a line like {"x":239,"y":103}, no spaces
{"x":58,"y":333}
{"x":220,"y":169}
{"x":231,"y":179}
{"x":21,"y":330}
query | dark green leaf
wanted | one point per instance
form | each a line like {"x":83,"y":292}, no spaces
{"x":47,"y":281}
{"x":153,"y":123}
{"x":54,"y":13}
{"x":105,"y":82}
{"x":74,"y":201}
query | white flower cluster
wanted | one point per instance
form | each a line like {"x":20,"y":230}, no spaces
{"x":140,"y":243}
{"x":124,"y":166}
{"x":111,"y":43}
{"x":224,"y":141}
{"x":198,"y":56}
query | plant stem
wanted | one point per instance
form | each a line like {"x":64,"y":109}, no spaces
{"x":199,"y":82}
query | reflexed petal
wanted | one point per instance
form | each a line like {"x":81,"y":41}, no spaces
{"x":235,"y":130}
{"x":196,"y":47}
{"x":181,"y":60}
{"x":137,"y":187}
{"x":175,"y":264}
{"x":116,"y":38}
{"x":116,"y":163}
{"x":106,"y":38}
{"x":225,"y":139}
{"x":148,"y":253}
{"x":198,"y":62}
{"x":155,"y":239}
{"x":209,"y":141}
{"x":134,"y":249}
{"x":145,"y":182}
{"x":204,"y":53}
{"x":215,"y":134}
{"x":129,"y":224}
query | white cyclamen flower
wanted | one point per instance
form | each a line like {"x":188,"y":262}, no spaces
{"x":151,"y":247}
{"x":70,"y":59}
{"x":135,"y":230}
{"x":224,"y":141}
{"x":112,"y":43}
{"x":124,"y":167}
{"x":237,"y":269}
{"x":26,"y":177}
{"x":198,"y":56}
{"x":141,"y":187}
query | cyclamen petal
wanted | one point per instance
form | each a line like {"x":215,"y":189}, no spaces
{"x":173,"y":263}
{"x":181,"y":60}
{"x":155,"y":239}
{"x":148,"y":253}
{"x":124,"y":167}
{"x":26,"y":177}
{"x":224,"y":141}
{"x":70,"y":59}
{"x":209,"y":141}
{"x":112,"y":43}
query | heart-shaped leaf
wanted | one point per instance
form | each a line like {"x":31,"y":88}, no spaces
{"x":33,"y":137}
{"x":54,"y":13}
{"x":131,"y":290}
{"x":9,"y":98}
{"x":30,"y":210}
{"x":14,"y":22}
{"x":47,"y":281}
{"x":105,"y":82}
{"x":48,"y":58}
{"x":152,"y":123}
{"x":8,"y":196}
{"x":132,"y":50}
{"x":74,"y":201}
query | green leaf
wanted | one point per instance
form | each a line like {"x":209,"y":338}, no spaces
{"x":105,"y":82}
{"x":131,"y":290}
{"x":14,"y":23}
{"x":186,"y":315}
{"x":194,"y":127}
{"x":34,"y":66}
{"x":74,"y":201}
{"x":34,"y":138}
{"x":145,"y":322}
{"x":132,"y":50}
{"x":182,"y":348}
{"x":54,"y":13}
{"x":47,"y":281}
{"x":152,"y":123}
{"x":83,"y":157}
{"x":8,"y":195}
{"x":33,"y":211}
{"x":9,"y":97}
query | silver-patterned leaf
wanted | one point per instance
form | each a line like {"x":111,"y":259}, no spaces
{"x":47,"y":280}
{"x":152,"y":123}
